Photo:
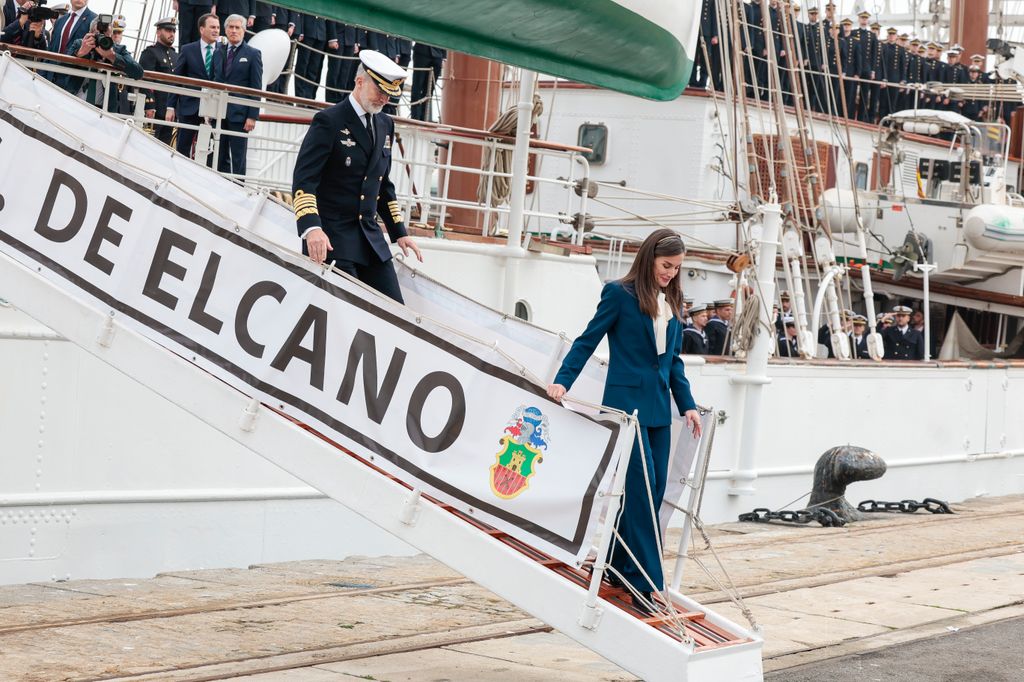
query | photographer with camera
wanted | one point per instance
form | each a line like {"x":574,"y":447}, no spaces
{"x":98,"y":45}
{"x":29,"y":28}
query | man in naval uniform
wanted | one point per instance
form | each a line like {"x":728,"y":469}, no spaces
{"x":788,"y":345}
{"x":695,"y":340}
{"x":903,"y":342}
{"x":718,"y":327}
{"x":160,"y":57}
{"x":341,"y":182}
{"x":859,"y":338}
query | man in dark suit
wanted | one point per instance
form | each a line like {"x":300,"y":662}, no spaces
{"x":285,"y":19}
{"x":429,"y":61}
{"x":160,"y":57}
{"x":703,"y":66}
{"x":190,"y":12}
{"x":903,"y":342}
{"x":243,"y":66}
{"x":718,"y":328}
{"x":311,"y":33}
{"x":264,"y":18}
{"x":343,"y":43}
{"x":8,"y":13}
{"x":71,"y":27}
{"x":244,"y":8}
{"x":200,"y":59}
{"x":341,"y":180}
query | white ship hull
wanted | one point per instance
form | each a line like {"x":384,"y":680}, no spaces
{"x":103,"y":478}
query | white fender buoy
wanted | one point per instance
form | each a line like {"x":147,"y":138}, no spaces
{"x":839,"y":212}
{"x":274,"y":45}
{"x":992,"y":227}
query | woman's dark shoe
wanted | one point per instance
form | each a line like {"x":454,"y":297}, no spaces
{"x":644,"y":602}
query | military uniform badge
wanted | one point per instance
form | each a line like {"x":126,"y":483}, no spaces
{"x":387,"y":142}
{"x":521,"y":449}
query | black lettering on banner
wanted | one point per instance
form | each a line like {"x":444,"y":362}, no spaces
{"x":198,"y":312}
{"x":162,"y":264}
{"x":249,"y":298}
{"x":104,"y":233}
{"x":68,"y":232}
{"x":456,"y":418}
{"x":317,"y":355}
{"x":364,"y":349}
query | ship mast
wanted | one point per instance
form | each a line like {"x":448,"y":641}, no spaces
{"x":968,"y":25}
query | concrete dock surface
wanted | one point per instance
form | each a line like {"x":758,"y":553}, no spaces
{"x":897,"y":597}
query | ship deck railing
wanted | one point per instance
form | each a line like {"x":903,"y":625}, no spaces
{"x":446,"y":177}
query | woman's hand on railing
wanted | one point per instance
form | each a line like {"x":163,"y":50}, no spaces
{"x":693,"y":422}
{"x":556,"y":392}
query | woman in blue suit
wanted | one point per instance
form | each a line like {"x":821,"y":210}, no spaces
{"x":641,"y":316}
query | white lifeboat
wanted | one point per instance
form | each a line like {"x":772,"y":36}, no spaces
{"x":994,"y":227}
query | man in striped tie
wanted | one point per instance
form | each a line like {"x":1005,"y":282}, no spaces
{"x":201,"y":60}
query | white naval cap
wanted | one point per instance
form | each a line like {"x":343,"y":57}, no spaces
{"x":388,"y":75}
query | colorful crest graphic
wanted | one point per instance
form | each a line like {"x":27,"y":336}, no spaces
{"x":522,"y":448}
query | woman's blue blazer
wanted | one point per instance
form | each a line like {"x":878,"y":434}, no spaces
{"x":638,"y":378}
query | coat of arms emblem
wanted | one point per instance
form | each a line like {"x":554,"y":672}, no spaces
{"x":521,"y":449}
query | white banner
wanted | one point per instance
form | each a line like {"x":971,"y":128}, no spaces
{"x":447,"y":415}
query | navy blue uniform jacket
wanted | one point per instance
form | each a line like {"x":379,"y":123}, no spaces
{"x":341,"y":184}
{"x":638,"y":378}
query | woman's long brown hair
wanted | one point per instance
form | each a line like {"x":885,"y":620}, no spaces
{"x":661,"y":242}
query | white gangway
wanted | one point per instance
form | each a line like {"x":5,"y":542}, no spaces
{"x":164,"y":270}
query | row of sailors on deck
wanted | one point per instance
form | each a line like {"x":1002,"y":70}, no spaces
{"x":856,"y":72}
{"x":707,"y":330}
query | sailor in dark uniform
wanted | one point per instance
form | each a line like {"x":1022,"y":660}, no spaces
{"x":851,"y":54}
{"x":718,"y":327}
{"x":784,"y":311}
{"x":859,"y":338}
{"x":903,"y":342}
{"x":788,"y":346}
{"x":687,"y":304}
{"x":695,"y":340}
{"x":160,"y":57}
{"x":893,"y":72}
{"x":972,"y":107}
{"x":341,"y":182}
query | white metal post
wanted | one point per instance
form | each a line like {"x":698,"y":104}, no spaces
{"x":876,"y":348}
{"x":696,"y":485}
{"x":744,"y":473}
{"x":520,"y":157}
{"x":590,"y":615}
{"x":926,"y":268}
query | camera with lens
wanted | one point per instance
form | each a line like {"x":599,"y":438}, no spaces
{"x":103,"y":22}
{"x":40,"y":12}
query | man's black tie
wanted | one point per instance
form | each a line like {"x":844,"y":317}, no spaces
{"x":369,"y":129}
